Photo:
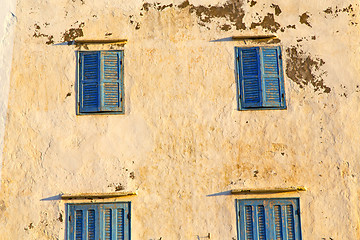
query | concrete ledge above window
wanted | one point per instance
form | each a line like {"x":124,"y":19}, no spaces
{"x":267,"y":190}
{"x":96,"y":195}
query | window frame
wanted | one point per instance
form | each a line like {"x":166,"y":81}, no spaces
{"x":269,"y":217}
{"x":261,"y":72}
{"x":100,"y":208}
{"x":101,"y":72}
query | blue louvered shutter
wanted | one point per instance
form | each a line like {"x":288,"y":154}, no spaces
{"x":83,"y":222}
{"x":261,"y":219}
{"x":285,"y":222}
{"x":111,"y":83}
{"x":115,"y":222}
{"x":89,"y":75}
{"x":271,"y":77}
{"x":249,"y":77}
{"x":253,"y":222}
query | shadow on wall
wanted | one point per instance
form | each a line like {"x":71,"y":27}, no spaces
{"x":52,"y":198}
{"x":225,"y":193}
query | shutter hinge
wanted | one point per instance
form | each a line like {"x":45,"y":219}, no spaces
{"x":80,"y":60}
{"x":69,"y":218}
{"x":282,"y":95}
{"x":280,"y":56}
{"x":238,"y":58}
{"x":297,"y":212}
{"x":128,"y":216}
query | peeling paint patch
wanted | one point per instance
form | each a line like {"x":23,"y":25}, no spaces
{"x":117,"y":186}
{"x":225,"y":27}
{"x":60,"y":217}
{"x":277,"y":9}
{"x":31,"y":226}
{"x":82,"y":1}
{"x":304,"y":70}
{"x":73,"y":33}
{"x":134,"y":22}
{"x":231,"y":11}
{"x":268,"y":23}
{"x":304,"y":19}
{"x":335,"y":12}
{"x":349,"y":9}
{"x":38,"y":34}
{"x":252,"y":3}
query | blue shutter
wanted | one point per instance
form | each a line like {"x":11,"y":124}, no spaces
{"x":108,"y":221}
{"x":285,"y":222}
{"x":262,"y":219}
{"x":272,"y":79}
{"x":83,"y":222}
{"x":249,"y":77}
{"x":89,"y":75}
{"x":115,"y":221}
{"x":111,"y":81}
{"x":253,"y":216}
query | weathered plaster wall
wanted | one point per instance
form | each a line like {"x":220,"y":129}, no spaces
{"x":182,"y":140}
{"x":7,"y":24}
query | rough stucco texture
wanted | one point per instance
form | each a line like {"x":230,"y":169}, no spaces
{"x":182,"y":143}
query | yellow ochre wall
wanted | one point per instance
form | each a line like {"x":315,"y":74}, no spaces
{"x":182,"y":143}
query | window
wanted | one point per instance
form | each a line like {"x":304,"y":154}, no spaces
{"x":268,"y":219}
{"x":260,"y":78}
{"x":98,"y":221}
{"x":100,"y":82}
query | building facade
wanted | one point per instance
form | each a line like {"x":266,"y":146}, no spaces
{"x":180,"y":120}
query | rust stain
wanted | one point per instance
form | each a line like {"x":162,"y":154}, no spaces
{"x":303,"y":69}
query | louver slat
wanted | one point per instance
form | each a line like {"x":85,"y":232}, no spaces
{"x":278,"y":223}
{"x":290,"y":222}
{"x":249,"y":223}
{"x":271,"y":77}
{"x":91,"y":224}
{"x":249,"y":73}
{"x":111,"y":81}
{"x":79,"y":225}
{"x":120,"y":224}
{"x":108,"y":224}
{"x":89,"y":82}
{"x":261,"y":222}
